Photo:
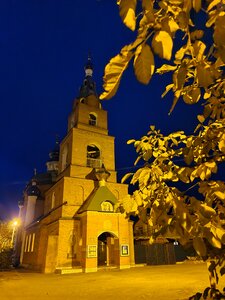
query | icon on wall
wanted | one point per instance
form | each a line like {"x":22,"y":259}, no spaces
{"x":124,"y":250}
{"x":92,"y":251}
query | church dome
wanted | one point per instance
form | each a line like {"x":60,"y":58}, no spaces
{"x":89,"y":86}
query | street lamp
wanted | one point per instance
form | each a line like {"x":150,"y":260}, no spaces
{"x":15,"y":224}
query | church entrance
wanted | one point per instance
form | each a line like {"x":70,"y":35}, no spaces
{"x":108,"y":250}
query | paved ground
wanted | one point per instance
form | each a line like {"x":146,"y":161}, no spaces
{"x":171,"y":282}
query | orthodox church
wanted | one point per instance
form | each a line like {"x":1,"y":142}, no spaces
{"x":68,"y":219}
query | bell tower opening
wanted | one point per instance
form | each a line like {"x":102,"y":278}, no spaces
{"x":92,"y":119}
{"x":93,"y":156}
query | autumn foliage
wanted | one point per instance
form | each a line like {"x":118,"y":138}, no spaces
{"x":196,"y":60}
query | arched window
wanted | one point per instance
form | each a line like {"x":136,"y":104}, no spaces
{"x":106,"y":206}
{"x":93,"y":156}
{"x":53,"y":200}
{"x":92,"y":119}
{"x":65,"y":157}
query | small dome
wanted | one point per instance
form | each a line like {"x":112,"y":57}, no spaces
{"x":88,"y":87}
{"x":54,"y":155}
{"x":33,"y":190}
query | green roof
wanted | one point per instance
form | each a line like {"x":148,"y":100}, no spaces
{"x":99,"y":195}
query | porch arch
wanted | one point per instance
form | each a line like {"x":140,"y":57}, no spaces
{"x":108,"y":249}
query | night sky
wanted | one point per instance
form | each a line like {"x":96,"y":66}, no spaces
{"x":44,"y":46}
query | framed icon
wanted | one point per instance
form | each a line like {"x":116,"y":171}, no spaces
{"x":124,"y":250}
{"x":92,"y":251}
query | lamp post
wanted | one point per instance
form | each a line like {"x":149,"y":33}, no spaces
{"x":14,"y":226}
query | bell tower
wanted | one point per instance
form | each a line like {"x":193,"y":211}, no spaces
{"x":87,"y":144}
{"x":79,"y":228}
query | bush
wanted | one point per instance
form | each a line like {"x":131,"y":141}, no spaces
{"x":6,"y":259}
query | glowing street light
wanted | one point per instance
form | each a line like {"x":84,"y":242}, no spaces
{"x":15,"y":224}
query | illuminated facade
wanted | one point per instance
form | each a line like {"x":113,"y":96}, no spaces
{"x":69,"y":223}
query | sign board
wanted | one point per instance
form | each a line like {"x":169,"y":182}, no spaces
{"x":92,"y":251}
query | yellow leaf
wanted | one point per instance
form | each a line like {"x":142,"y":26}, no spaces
{"x":129,"y":204}
{"x":180,"y":76}
{"x":162,"y":44}
{"x":131,"y":141}
{"x":214,"y":242}
{"x":127,"y":13}
{"x":148,"y":18}
{"x":114,"y":71}
{"x":221,"y":51}
{"x":206,"y":95}
{"x":181,"y":52}
{"x":201,"y":118}
{"x":166,"y":68}
{"x":203,"y":175}
{"x":125,"y":177}
{"x":220,"y":195}
{"x":221,"y":144}
{"x":183,"y":19}
{"x":197,"y":4}
{"x":137,"y":198}
{"x":147,"y":5}
{"x":152,"y":127}
{"x":219,"y":63}
{"x":204,"y":75}
{"x":207,"y":211}
{"x":210,"y":164}
{"x":197,"y":34}
{"x":168,"y":88}
{"x":144,"y":65}
{"x":220,"y":233}
{"x":199,"y":246}
{"x":192,"y":96}
{"x":183,"y":175}
{"x":212,"y":4}
{"x":219,"y":31}
{"x":173,"y":26}
{"x":169,"y":25}
{"x":199,"y":48}
{"x":175,"y":100}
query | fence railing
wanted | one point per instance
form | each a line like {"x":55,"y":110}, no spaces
{"x":94,"y":163}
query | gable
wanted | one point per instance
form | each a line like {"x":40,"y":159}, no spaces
{"x":94,"y":201}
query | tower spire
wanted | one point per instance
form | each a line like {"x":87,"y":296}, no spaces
{"x":89,"y":66}
{"x":88,"y":87}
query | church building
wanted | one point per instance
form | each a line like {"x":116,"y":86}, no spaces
{"x":69,"y":221}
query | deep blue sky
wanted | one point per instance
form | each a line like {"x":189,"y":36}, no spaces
{"x":44,"y":45}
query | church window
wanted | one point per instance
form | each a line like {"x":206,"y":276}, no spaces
{"x":65,"y":157}
{"x":29,"y":243}
{"x":92,"y":119}
{"x":106,"y":206}
{"x":32,"y":243}
{"x":53,"y":200}
{"x":93,"y":156}
{"x":25,"y":246}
